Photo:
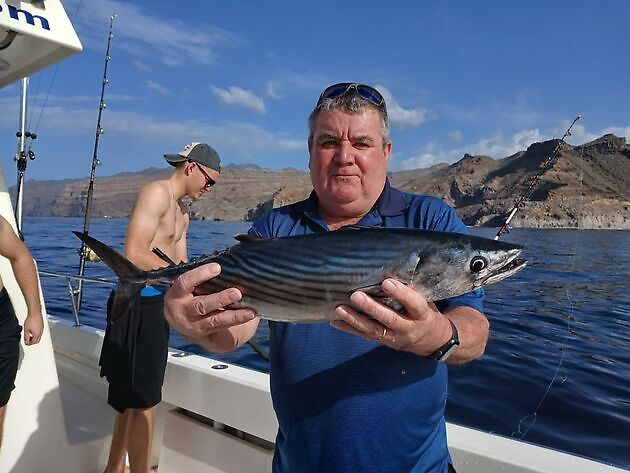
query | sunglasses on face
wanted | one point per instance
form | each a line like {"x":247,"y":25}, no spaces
{"x":364,"y":91}
{"x":209,"y":181}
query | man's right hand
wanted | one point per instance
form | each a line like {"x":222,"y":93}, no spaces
{"x":205,"y":319}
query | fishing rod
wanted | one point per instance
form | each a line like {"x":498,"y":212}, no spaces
{"x":84,"y":250}
{"x":535,"y":180}
{"x":21,"y":156}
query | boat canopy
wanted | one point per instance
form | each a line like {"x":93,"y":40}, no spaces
{"x":33,"y":35}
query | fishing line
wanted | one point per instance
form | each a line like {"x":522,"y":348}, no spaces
{"x":34,"y":100}
{"x":519,"y":433}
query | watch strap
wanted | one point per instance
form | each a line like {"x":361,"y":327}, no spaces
{"x":442,"y":353}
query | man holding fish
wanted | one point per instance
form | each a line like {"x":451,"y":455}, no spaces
{"x":367,"y":391}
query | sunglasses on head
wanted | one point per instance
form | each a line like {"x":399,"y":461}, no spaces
{"x":209,"y":181}
{"x":364,"y":91}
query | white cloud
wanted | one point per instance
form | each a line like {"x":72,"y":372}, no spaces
{"x":140,"y":66}
{"x":455,"y":135}
{"x":399,"y":116}
{"x":430,"y":154}
{"x":160,"y":89}
{"x":579,"y":134}
{"x":271,"y":89}
{"x":140,"y":32}
{"x":496,"y":146}
{"x":131,"y":125}
{"x":290,"y":82}
{"x":619,"y":131}
{"x":235,"y":96}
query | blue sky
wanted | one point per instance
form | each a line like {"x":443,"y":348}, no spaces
{"x":484,"y":77}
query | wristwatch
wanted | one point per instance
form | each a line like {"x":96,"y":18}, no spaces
{"x":446,"y":350}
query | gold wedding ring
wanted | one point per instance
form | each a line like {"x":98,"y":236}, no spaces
{"x":383,"y":334}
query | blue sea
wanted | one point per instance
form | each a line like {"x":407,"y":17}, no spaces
{"x":557,"y":368}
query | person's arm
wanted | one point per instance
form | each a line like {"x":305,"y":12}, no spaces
{"x":206,"y":319}
{"x":421,"y":330}
{"x":25,"y":273}
{"x":181,"y":249}
{"x":152,"y":203}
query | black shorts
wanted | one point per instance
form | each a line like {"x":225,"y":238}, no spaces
{"x":134,"y":353}
{"x":10,"y":331}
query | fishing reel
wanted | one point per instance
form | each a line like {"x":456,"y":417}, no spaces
{"x":30,"y":153}
{"x":89,"y":254}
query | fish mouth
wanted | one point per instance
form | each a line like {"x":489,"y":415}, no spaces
{"x":511,"y":266}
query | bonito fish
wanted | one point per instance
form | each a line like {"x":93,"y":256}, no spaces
{"x":303,"y":278}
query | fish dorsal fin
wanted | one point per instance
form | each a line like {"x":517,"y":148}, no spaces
{"x":355,"y":226}
{"x":247,"y":238}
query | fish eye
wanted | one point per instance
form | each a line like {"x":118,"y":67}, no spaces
{"x":478,"y":263}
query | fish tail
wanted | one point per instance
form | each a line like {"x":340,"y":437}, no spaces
{"x":125,"y":297}
{"x":131,"y":279}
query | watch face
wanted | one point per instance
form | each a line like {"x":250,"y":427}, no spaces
{"x":449,"y":351}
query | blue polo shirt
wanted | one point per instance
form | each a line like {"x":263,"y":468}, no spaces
{"x":345,"y":404}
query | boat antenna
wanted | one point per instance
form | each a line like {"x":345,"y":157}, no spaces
{"x":535,"y":180}
{"x":84,"y":250}
{"x":21,"y":156}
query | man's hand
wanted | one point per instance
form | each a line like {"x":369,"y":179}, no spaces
{"x":422,"y":330}
{"x":205,"y":319}
{"x":33,"y":329}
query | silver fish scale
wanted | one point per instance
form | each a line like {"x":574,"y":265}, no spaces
{"x":310,"y":273}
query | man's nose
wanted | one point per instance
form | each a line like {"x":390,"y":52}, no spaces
{"x":345,"y":153}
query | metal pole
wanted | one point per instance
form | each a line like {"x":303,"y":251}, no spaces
{"x":73,"y":303}
{"x":83,"y":250}
{"x":20,"y":157}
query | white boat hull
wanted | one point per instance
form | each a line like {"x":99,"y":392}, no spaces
{"x":222,"y":420}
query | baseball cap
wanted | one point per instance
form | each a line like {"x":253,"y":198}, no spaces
{"x":198,"y":152}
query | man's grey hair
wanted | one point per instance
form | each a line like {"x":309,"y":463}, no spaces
{"x":350,"y":102}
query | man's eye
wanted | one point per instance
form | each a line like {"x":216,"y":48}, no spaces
{"x":362,"y":145}
{"x":328,"y":144}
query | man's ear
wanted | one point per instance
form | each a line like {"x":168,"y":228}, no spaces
{"x":310,"y":147}
{"x":189,"y":168}
{"x":388,"y":151}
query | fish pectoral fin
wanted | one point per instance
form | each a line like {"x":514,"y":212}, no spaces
{"x":375,"y":292}
{"x":393,"y":304}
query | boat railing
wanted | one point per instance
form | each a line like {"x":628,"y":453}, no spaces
{"x":73,"y":294}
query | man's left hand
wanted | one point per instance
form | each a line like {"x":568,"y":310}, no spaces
{"x":33,"y":329}
{"x":421,"y":330}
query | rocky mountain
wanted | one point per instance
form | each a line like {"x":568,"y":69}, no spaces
{"x":586,"y":186}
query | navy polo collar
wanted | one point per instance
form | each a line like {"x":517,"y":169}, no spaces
{"x":390,"y":203}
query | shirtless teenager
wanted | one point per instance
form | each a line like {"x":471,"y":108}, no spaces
{"x":12,"y":248}
{"x":135,"y":348}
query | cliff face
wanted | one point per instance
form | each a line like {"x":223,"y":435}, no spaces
{"x":588,"y":185}
{"x":245,"y":194}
